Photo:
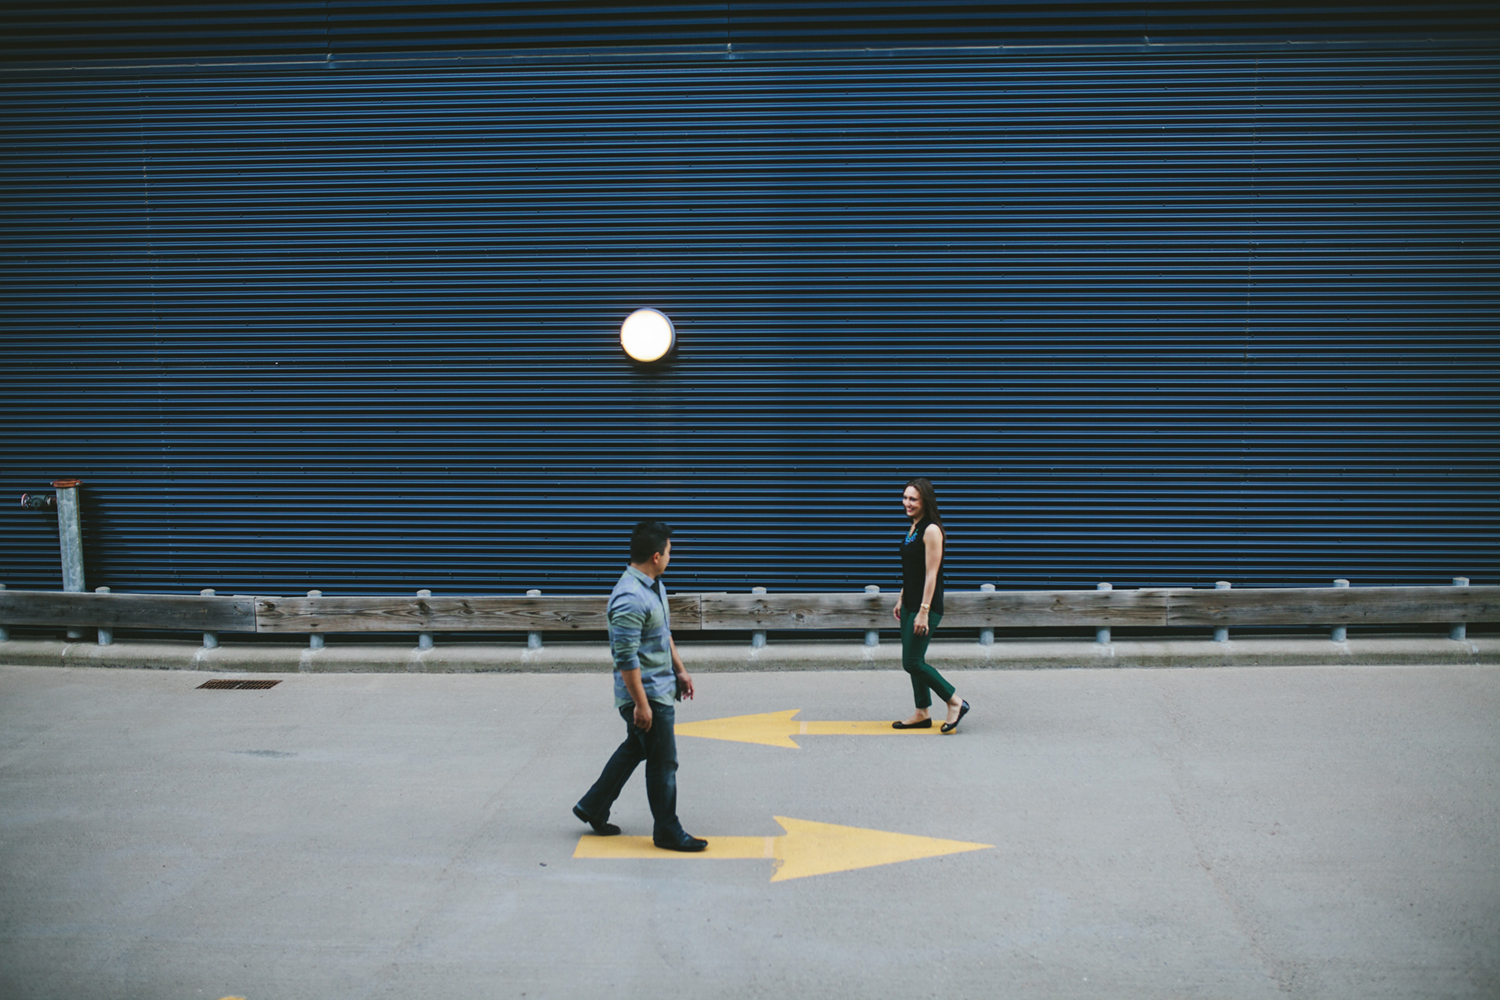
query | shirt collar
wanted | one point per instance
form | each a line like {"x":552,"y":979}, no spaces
{"x":645,"y":580}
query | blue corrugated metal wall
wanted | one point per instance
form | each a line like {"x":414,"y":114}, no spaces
{"x":1151,"y":314}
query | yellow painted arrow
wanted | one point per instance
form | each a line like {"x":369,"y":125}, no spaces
{"x":776,"y":729}
{"x":807,"y":848}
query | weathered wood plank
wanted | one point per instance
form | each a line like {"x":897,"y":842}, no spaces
{"x":449,"y":614}
{"x":429,"y":614}
{"x":1049,"y":608}
{"x":797,"y":611}
{"x":967,"y":609}
{"x":167,"y":612}
{"x":687,"y":612}
{"x":1333,"y":606}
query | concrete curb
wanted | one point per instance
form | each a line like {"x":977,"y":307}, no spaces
{"x":565,"y":657}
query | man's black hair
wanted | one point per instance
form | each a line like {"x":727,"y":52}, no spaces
{"x":648,"y":538}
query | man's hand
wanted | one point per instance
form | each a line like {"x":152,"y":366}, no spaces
{"x":643,"y":716}
{"x":684,"y":679}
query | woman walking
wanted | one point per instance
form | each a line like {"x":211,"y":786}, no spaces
{"x":919,"y":609}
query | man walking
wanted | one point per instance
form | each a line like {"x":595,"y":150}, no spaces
{"x":649,"y":676}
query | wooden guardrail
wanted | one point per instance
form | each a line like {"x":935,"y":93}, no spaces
{"x":161,"y":612}
{"x":1164,"y":607}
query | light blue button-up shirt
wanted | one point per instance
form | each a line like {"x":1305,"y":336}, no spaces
{"x":640,"y":636}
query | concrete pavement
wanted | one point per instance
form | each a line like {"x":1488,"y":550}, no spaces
{"x":1229,"y":832}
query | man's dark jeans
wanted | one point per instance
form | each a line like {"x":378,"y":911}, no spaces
{"x":658,"y":748}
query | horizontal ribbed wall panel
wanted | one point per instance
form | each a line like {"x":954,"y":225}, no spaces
{"x":81,"y":31}
{"x":1158,"y":319}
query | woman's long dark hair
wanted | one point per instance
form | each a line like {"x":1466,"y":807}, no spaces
{"x":929,"y":502}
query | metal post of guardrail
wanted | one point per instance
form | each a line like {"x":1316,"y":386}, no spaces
{"x":986,"y":635}
{"x":315,"y":639}
{"x":4,"y":630}
{"x":533,"y":639}
{"x":210,"y":639}
{"x":70,"y":540}
{"x":424,"y":639}
{"x":106,"y":635}
{"x":1101,"y":635}
{"x":758,"y":637}
{"x":872,"y":636}
{"x":1221,"y":634}
{"x":1340,"y":633}
{"x":1459,"y":630}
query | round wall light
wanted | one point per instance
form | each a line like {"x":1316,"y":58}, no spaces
{"x":647,"y":335}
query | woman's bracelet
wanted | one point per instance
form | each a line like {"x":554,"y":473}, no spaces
{"x":926,"y":607}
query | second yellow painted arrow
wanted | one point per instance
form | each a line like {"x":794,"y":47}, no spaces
{"x":776,"y":729}
{"x":807,"y":848}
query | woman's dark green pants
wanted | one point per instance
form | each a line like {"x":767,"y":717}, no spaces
{"x":914,"y":661}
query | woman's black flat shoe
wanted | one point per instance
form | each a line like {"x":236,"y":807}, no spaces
{"x":924,"y":724}
{"x":948,"y":727}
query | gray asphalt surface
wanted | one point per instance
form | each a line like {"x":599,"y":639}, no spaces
{"x":1231,"y":832}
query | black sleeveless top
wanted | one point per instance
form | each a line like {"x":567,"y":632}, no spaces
{"x":914,"y":572}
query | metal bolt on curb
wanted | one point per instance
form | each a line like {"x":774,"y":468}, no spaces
{"x":424,"y":639}
{"x":210,"y":639}
{"x":314,"y":639}
{"x":1222,"y":634}
{"x":106,"y":635}
{"x":1459,"y":631}
{"x":872,"y":636}
{"x":1340,"y":633}
{"x":1101,"y":635}
{"x":986,"y":635}
{"x":758,"y":637}
{"x":533,"y":639}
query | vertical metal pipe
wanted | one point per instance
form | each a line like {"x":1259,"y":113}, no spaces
{"x":424,"y":639}
{"x":70,"y":540}
{"x":1101,"y":635}
{"x":315,"y":639}
{"x":210,"y":639}
{"x":4,"y":629}
{"x":1340,"y":633}
{"x":106,"y":635}
{"x":533,"y":639}
{"x":70,"y":534}
{"x":986,"y":635}
{"x":758,"y":637}
{"x":1222,"y":634}
{"x":1459,"y":630}
{"x":872,"y":636}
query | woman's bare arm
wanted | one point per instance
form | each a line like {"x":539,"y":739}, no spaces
{"x":932,"y":541}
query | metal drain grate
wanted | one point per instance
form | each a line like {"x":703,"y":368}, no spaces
{"x":238,"y":685}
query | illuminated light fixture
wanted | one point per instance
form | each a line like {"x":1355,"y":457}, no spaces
{"x":647,"y":335}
